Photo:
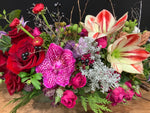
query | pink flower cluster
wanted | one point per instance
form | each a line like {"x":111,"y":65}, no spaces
{"x":119,"y":94}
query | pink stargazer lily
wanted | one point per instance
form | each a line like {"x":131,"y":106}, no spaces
{"x":103,"y":24}
{"x":125,"y":55}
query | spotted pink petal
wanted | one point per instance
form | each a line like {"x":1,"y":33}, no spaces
{"x":49,"y":80}
{"x":54,"y":53}
{"x":57,"y":66}
{"x":105,"y":20}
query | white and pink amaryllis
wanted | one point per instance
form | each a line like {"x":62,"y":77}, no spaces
{"x":57,"y":66}
{"x":125,"y":54}
{"x":103,"y":25}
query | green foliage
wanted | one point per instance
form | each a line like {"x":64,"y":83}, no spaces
{"x":147,"y":47}
{"x":96,"y":102}
{"x":124,"y":78}
{"x":146,"y":67}
{"x":84,"y":102}
{"x":57,"y":99}
{"x":14,"y":14}
{"x":5,"y":43}
{"x":129,"y":26}
{"x":47,"y":39}
{"x":24,"y":99}
{"x":31,"y":78}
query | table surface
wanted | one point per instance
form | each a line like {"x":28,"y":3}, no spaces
{"x":139,"y":105}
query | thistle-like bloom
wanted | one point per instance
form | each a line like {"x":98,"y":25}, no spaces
{"x":57,"y":66}
{"x":103,"y":24}
{"x":125,"y":55}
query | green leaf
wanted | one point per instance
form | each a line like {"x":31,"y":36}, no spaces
{"x":5,"y":27}
{"x":36,"y":83}
{"x":1,"y":28}
{"x":32,"y":70}
{"x":57,"y":99}
{"x":22,"y":74}
{"x":24,"y":79}
{"x":37,"y":76}
{"x":14,"y":14}
{"x":5,"y":43}
{"x":7,"y":39}
{"x":4,"y":12}
{"x":1,"y":16}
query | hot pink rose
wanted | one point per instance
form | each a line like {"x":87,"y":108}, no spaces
{"x":78,"y":81}
{"x":69,"y":99}
{"x":116,"y":96}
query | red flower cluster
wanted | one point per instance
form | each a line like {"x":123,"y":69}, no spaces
{"x":15,"y":61}
{"x":3,"y":58}
{"x":22,"y":56}
{"x":38,"y":8}
{"x":13,"y":83}
{"x":16,"y":35}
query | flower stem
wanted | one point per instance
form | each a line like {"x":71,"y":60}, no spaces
{"x":47,"y":23}
{"x":29,"y":34}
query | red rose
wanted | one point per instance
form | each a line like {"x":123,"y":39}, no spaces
{"x":78,"y":81}
{"x":23,"y":56}
{"x":69,"y":99}
{"x":38,"y":8}
{"x":3,"y":60}
{"x":16,"y":35}
{"x":14,"y":23}
{"x":13,"y":83}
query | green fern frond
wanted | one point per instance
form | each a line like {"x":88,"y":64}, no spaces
{"x":24,"y":100}
{"x":84,"y":102}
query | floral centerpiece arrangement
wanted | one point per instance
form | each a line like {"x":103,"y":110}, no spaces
{"x":96,"y":62}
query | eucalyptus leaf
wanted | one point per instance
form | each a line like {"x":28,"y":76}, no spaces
{"x":14,"y":14}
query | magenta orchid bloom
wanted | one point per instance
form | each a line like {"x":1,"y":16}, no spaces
{"x":125,"y":55}
{"x":103,"y":24}
{"x":57,"y":66}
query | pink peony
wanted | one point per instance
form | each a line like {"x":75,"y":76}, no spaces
{"x":69,"y":99}
{"x":102,"y":42}
{"x":136,"y":92}
{"x":116,"y":96}
{"x":78,"y":81}
{"x":129,"y":94}
{"x":57,"y":66}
